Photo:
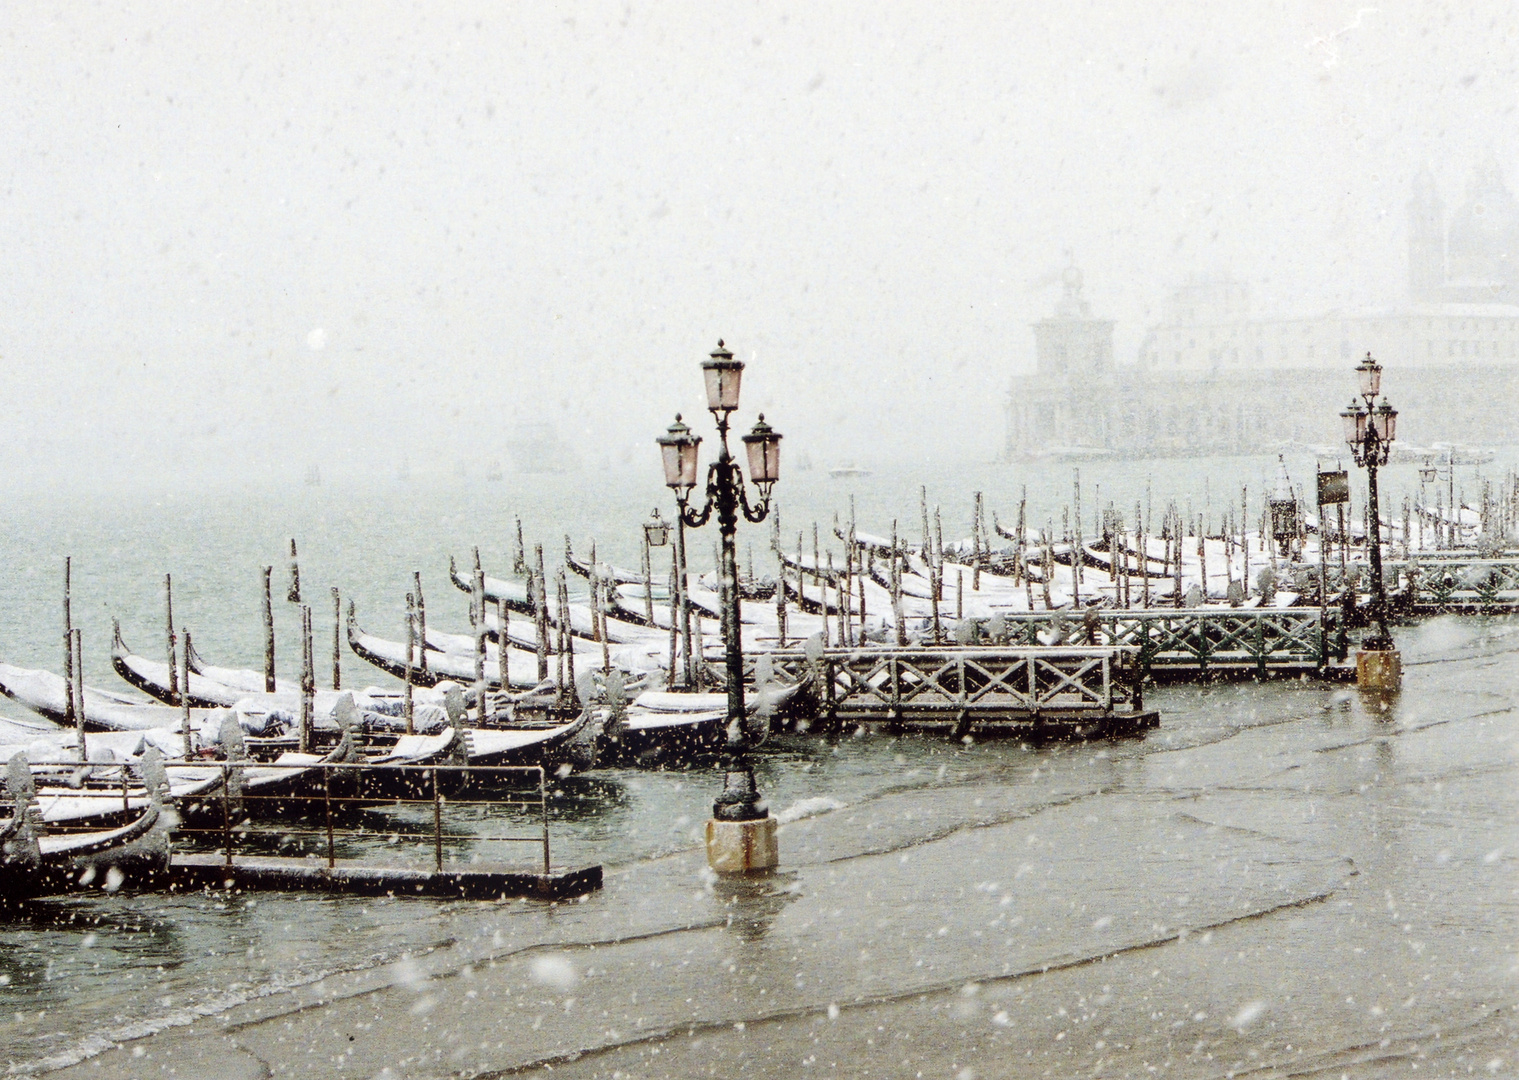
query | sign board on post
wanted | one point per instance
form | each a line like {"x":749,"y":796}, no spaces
{"x":1334,"y":487}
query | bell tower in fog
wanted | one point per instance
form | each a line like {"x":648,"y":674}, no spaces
{"x":1071,"y":344}
{"x":1426,"y":240}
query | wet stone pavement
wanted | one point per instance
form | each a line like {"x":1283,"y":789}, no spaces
{"x":1285,"y":880}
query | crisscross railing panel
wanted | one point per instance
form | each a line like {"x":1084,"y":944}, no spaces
{"x":893,"y":682}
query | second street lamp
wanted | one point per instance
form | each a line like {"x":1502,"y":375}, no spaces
{"x":741,"y":835}
{"x":1369,"y":430}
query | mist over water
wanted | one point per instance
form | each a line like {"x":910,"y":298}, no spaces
{"x":242,"y":245}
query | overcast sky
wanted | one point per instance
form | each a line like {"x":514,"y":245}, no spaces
{"x":249,"y":237}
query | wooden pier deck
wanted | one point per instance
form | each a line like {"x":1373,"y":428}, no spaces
{"x":211,"y":870}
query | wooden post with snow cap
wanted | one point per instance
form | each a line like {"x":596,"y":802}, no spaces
{"x":936,"y":566}
{"x":1202,"y":556}
{"x":1076,"y":546}
{"x":817,"y":568}
{"x":1244,"y":537}
{"x":416,"y":579}
{"x":477,"y":622}
{"x":896,"y":586}
{"x":540,"y":611}
{"x":600,"y":587}
{"x":1023,"y":536}
{"x":184,"y":698}
{"x":169,"y":632}
{"x":860,"y":580}
{"x":675,"y":630}
{"x":839,"y":599}
{"x":801,"y":594}
{"x":68,"y":643}
{"x":567,"y":632}
{"x":268,"y":633}
{"x":926,"y":550}
{"x":411,"y":647}
{"x":977,"y":546}
{"x":780,"y":596}
{"x":337,"y":639}
{"x":76,"y":647}
{"x":308,"y":681}
{"x":503,"y":653}
{"x":647,"y":566}
{"x":294,"y":593}
{"x":1049,"y":561}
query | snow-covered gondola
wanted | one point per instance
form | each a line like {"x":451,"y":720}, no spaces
{"x":241,"y":679}
{"x":37,"y":859}
{"x":47,"y":695}
{"x":496,"y":589}
{"x":390,"y":657}
{"x":154,"y":678}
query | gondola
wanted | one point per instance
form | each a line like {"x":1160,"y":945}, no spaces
{"x":390,"y":657}
{"x":37,"y":859}
{"x":247,"y":681}
{"x":47,"y":695}
{"x":496,"y":589}
{"x":154,"y":678}
{"x":661,"y":727}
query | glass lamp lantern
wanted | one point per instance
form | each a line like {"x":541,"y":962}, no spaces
{"x":656,"y":531}
{"x":678,"y":446}
{"x":764,"y":446}
{"x":1370,"y":374}
{"x":1385,"y":420}
{"x":723,"y":375}
{"x":1354,"y":417}
{"x":1427,"y":473}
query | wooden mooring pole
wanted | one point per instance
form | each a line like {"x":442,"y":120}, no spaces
{"x":184,"y":698}
{"x":169,"y":631}
{"x":411,"y":648}
{"x":268,"y":633}
{"x":337,"y":639}
{"x":68,"y":647}
{"x":416,"y":578}
{"x":76,"y":665}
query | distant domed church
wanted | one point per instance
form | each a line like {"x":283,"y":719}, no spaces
{"x":1474,"y":259}
{"x":1213,"y":377}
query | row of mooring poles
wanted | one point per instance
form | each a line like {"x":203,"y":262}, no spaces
{"x":179,"y":648}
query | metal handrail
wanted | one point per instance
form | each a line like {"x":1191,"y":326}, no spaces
{"x":332,"y":803}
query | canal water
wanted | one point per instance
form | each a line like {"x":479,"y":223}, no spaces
{"x":1321,"y":790}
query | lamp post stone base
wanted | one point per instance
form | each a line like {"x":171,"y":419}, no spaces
{"x":1378,"y":669}
{"x":741,"y":847}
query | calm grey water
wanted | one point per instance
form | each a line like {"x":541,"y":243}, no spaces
{"x":79,"y":974}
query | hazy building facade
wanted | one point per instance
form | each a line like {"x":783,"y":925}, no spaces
{"x":1212,"y":377}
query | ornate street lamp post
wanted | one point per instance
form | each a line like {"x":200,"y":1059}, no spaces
{"x":1370,"y":429}
{"x":741,"y":835}
{"x":678,"y":446}
{"x":1283,"y":506}
{"x":1428,"y":474}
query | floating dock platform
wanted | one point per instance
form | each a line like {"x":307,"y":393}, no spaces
{"x":211,"y":870}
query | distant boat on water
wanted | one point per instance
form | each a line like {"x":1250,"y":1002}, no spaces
{"x":847,"y":472}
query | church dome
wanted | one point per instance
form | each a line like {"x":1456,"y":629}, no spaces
{"x":1483,"y":245}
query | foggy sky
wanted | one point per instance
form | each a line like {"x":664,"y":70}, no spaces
{"x":243,"y":238}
